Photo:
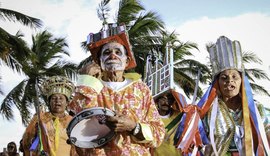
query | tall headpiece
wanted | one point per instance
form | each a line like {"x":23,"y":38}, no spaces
{"x":58,"y":84}
{"x":109,"y":33}
{"x":225,"y":54}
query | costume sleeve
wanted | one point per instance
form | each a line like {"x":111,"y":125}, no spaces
{"x":86,"y":92}
{"x":152,"y":127}
{"x":29,"y":135}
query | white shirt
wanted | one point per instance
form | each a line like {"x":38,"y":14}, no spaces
{"x":116,"y":86}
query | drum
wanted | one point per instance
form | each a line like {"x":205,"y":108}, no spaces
{"x":87,"y":129}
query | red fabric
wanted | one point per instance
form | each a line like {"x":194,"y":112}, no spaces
{"x":234,"y":153}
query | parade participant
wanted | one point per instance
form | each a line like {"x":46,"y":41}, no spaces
{"x":11,"y":150}
{"x":171,"y":115}
{"x":58,"y":91}
{"x":235,"y":125}
{"x":137,"y":123}
{"x":234,"y":106}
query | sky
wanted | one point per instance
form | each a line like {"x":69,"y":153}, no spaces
{"x":198,"y":21}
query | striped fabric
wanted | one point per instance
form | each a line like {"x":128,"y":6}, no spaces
{"x":225,"y":54}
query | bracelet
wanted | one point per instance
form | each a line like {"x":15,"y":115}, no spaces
{"x":137,"y":129}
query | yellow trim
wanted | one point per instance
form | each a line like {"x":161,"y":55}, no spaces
{"x":133,"y":76}
{"x":56,"y":137}
{"x":87,"y":80}
{"x":147,"y":134}
{"x":247,"y":125}
{"x":225,"y":112}
{"x":96,"y":84}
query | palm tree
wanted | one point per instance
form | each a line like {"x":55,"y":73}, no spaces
{"x":141,"y":26}
{"x":254,"y":74}
{"x":144,"y":29}
{"x":14,"y":16}
{"x":11,"y":43}
{"x":147,"y":33}
{"x":12,"y":46}
{"x":45,"y":58}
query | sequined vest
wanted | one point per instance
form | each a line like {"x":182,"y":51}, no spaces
{"x":228,"y":123}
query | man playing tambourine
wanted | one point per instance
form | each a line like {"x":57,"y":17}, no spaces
{"x":103,"y":83}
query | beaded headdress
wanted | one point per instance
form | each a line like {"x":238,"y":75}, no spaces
{"x":109,"y":33}
{"x":58,"y":84}
{"x":225,"y":54}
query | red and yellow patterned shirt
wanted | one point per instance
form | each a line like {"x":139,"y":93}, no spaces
{"x":134,"y":100}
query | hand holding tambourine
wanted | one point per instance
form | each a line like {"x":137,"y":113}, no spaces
{"x":120,"y":123}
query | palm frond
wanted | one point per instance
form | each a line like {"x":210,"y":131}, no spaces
{"x":252,"y":73}
{"x":103,"y":11}
{"x":11,"y":15}
{"x":12,"y":49}
{"x":14,"y":96}
{"x":84,"y":46}
{"x":259,"y":89}
{"x":250,"y":57}
{"x":128,"y":11}
{"x":44,"y":59}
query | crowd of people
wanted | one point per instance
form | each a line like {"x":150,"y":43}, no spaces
{"x":232,"y":124}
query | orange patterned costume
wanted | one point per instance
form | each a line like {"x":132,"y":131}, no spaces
{"x":133,"y":100}
{"x":46,"y":133}
{"x":48,"y":120}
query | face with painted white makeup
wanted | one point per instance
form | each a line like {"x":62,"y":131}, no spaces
{"x":229,"y":83}
{"x":113,"y":57}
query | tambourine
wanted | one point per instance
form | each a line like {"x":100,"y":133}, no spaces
{"x":87,"y":129}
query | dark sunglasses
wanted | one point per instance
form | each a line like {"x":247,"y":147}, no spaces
{"x":11,"y":146}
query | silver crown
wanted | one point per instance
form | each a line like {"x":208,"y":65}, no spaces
{"x":225,"y":54}
{"x":107,"y":31}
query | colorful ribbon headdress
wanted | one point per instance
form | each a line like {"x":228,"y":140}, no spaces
{"x":226,"y":54}
{"x":110,"y":33}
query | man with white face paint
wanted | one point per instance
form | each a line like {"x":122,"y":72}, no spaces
{"x":113,"y":61}
{"x":104,"y":83}
{"x":113,"y":57}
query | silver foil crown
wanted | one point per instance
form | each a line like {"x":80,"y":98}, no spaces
{"x":107,"y":31}
{"x":225,"y":54}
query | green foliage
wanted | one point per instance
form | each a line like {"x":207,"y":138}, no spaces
{"x":14,"y":16}
{"x":44,"y":58}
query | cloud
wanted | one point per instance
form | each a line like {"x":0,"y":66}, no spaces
{"x":75,"y":19}
{"x":252,"y":30}
{"x":67,"y":18}
{"x":71,"y":19}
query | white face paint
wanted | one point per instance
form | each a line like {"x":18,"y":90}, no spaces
{"x":113,"y":57}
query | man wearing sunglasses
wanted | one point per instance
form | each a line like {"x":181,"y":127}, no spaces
{"x":11,"y":150}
